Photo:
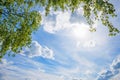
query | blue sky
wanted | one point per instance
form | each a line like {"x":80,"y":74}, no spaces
{"x":64,"y":49}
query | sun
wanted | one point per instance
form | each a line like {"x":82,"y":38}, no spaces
{"x":80,"y":31}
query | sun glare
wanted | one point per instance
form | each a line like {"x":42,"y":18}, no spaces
{"x":80,"y":31}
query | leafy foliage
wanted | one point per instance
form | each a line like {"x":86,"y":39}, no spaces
{"x":18,"y":20}
{"x":17,"y":23}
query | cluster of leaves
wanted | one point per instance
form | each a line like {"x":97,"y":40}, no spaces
{"x":18,"y":21}
{"x":102,"y":11}
{"x":93,"y":10}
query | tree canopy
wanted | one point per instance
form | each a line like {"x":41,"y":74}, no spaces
{"x":18,"y":19}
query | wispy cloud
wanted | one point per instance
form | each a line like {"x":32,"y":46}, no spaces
{"x":15,"y":71}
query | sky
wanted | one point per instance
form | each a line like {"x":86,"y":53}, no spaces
{"x":63,"y":48}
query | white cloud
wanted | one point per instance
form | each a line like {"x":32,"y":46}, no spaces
{"x":60,"y":22}
{"x":47,"y":53}
{"x":90,"y":43}
{"x":80,"y":11}
{"x":37,"y":50}
{"x":116,"y":77}
{"x":116,"y":63}
{"x":4,"y":62}
{"x":113,"y":73}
